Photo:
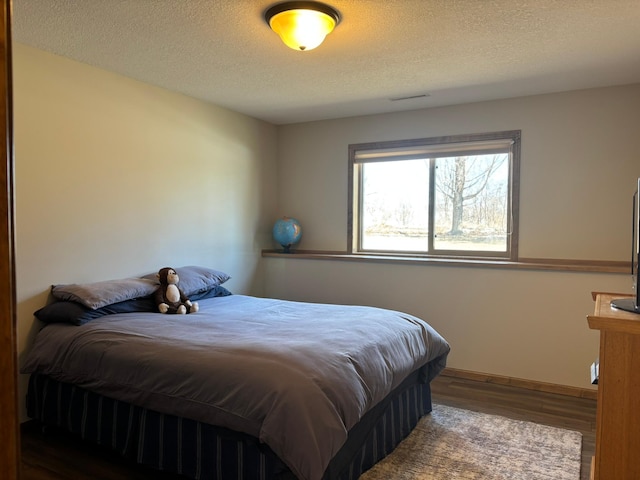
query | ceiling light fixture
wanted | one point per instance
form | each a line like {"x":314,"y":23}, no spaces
{"x":302,"y":25}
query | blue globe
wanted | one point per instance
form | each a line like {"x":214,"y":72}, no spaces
{"x":287,"y":232}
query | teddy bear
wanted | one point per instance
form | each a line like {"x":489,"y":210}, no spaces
{"x":168,"y":297}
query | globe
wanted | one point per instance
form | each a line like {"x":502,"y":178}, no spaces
{"x":287,"y":232}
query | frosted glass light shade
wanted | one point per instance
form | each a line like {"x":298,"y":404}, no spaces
{"x":302,"y":26}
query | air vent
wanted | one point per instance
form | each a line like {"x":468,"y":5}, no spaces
{"x":410,"y":97}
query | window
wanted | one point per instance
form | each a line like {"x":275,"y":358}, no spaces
{"x":451,"y":196}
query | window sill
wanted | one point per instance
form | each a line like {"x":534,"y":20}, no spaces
{"x":594,"y":266}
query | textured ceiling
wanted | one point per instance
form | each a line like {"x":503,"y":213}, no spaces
{"x":457,"y":51}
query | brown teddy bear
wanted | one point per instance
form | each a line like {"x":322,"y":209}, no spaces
{"x":168,"y":297}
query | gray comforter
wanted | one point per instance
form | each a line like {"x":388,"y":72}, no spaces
{"x":295,"y":375}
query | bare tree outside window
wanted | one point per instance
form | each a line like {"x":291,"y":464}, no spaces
{"x":471,"y":201}
{"x":462,"y":180}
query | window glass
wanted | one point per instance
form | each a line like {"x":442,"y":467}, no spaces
{"x":395,"y":205}
{"x":471,"y":205}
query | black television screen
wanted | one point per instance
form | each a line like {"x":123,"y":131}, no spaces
{"x":633,"y":304}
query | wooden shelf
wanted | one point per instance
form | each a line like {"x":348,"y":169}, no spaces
{"x":560,"y":265}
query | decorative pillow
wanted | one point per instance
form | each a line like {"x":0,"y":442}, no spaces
{"x":194,"y":279}
{"x":100,"y":294}
{"x":76,"y":314}
{"x":65,"y":312}
{"x":217,"y":291}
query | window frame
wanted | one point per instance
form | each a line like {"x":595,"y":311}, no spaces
{"x":437,"y":146}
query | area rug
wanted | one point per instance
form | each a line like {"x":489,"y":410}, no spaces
{"x":451,"y":443}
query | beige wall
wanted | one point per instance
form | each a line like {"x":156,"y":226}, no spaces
{"x":579,"y":165}
{"x":116,"y":178}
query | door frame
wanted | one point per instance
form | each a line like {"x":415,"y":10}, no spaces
{"x":9,"y":416}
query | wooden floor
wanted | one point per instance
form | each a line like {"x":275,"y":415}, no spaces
{"x":58,"y":456}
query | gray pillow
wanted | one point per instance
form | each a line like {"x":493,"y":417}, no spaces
{"x":77,"y":314}
{"x":99,"y":294}
{"x":194,"y":279}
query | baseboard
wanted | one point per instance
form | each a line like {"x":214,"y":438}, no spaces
{"x":522,"y":383}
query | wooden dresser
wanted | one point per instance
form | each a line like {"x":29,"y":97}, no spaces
{"x":617,"y":455}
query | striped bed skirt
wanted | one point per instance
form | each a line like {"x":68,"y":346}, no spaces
{"x":201,"y":451}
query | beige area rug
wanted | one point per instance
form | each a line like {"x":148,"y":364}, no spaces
{"x":451,"y":443}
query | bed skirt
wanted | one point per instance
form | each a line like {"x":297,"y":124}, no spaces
{"x":202,"y":451}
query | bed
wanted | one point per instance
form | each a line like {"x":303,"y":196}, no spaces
{"x":246,"y":388}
